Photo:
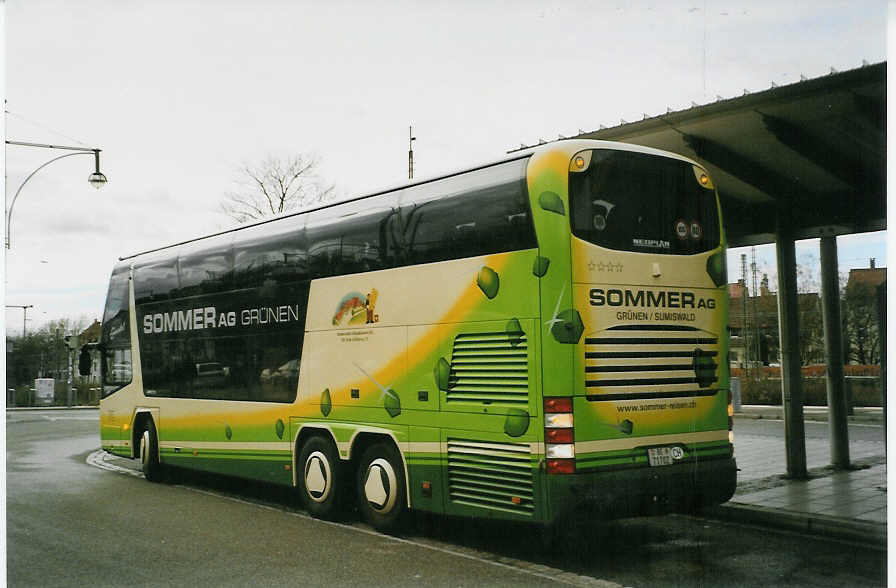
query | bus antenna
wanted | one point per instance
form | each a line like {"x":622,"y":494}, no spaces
{"x":411,"y":139}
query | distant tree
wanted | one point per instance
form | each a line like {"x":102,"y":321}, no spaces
{"x":811,"y":330}
{"x":274,"y":186}
{"x":860,"y":307}
{"x":42,"y":353}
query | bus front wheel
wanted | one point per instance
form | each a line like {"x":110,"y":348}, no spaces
{"x":381,"y":488}
{"x":149,"y":453}
{"x":319,"y":477}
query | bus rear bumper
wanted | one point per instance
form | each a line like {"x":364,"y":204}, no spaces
{"x":645,"y":491}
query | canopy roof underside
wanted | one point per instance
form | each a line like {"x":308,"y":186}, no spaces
{"x":815,"y":148}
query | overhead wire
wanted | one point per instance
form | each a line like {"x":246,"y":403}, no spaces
{"x":44,"y":127}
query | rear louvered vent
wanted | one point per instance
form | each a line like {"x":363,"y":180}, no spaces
{"x":497,"y":476}
{"x":489,"y":367}
{"x":651,"y":361}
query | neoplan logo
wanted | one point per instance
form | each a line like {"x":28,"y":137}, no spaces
{"x":648,"y":298}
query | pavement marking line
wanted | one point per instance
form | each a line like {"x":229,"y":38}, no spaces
{"x":98,"y":459}
{"x":879,"y":426}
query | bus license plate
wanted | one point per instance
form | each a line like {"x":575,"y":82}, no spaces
{"x":659,"y":456}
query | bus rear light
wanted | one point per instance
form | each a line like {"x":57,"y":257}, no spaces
{"x":560,"y":451}
{"x":561,"y":404}
{"x":561,"y":466}
{"x":731,"y":437}
{"x":558,"y":436}
{"x":558,"y":421}
{"x":730,"y":413}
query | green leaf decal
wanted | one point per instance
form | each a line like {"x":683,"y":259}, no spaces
{"x":540,"y":266}
{"x":514,"y":332}
{"x":569,"y":328}
{"x":279,"y":427}
{"x":704,"y":367}
{"x":488,"y":281}
{"x":392,"y":403}
{"x":517,"y":422}
{"x":326,"y":405}
{"x":442,"y":373}
{"x":626,"y":427}
{"x":228,"y":432}
{"x":551,"y":201}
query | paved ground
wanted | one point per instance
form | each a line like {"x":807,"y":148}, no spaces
{"x":72,"y":523}
{"x":846,"y":504}
{"x":759,"y":446}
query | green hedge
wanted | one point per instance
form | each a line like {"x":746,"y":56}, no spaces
{"x":864,"y":391}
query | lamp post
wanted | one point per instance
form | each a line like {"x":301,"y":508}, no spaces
{"x":25,"y":308}
{"x":97,"y":179}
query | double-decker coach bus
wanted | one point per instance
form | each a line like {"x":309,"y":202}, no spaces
{"x":511,"y":341}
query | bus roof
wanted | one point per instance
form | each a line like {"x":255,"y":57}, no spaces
{"x":570,"y":146}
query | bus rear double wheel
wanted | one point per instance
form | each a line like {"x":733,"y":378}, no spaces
{"x":319,"y":478}
{"x":382,"y":498}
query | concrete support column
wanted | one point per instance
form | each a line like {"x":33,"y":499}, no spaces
{"x":833,"y":354}
{"x":789,"y":330}
{"x":882,"y":330}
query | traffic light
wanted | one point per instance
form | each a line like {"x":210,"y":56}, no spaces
{"x":71,"y":341}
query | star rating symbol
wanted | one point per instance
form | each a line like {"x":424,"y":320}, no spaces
{"x":605,"y":267}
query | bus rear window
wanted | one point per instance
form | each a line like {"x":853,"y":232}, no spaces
{"x":640,"y":202}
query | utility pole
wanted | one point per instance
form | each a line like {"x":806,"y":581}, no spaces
{"x":745,"y":328}
{"x":756,"y":292}
{"x":24,"y":315}
{"x":411,"y":139}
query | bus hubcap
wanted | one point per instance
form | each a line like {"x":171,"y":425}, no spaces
{"x":379,"y":485}
{"x":317,"y":476}
{"x":144,"y":447}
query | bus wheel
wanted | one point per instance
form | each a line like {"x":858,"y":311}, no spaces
{"x":319,"y":479}
{"x":381,"y":489}
{"x":149,"y":453}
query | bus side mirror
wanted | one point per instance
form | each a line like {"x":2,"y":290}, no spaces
{"x":84,"y":362}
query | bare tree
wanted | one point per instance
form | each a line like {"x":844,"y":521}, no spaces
{"x":275,"y":185}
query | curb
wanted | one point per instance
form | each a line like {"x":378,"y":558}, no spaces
{"x":37,"y":408}
{"x":864,"y":532}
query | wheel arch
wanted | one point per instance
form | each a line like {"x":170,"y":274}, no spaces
{"x":143,"y":416}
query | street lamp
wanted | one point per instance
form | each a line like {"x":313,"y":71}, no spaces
{"x":97,"y":179}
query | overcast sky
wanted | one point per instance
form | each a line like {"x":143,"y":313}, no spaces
{"x":179,"y":93}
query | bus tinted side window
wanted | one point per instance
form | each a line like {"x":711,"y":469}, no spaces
{"x":478,"y":213}
{"x":355,"y":237}
{"x":116,"y":333}
{"x":271,"y":253}
{"x":206,"y":267}
{"x":158,"y":280}
{"x":237,"y":345}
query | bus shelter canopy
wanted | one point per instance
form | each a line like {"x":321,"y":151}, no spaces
{"x":816,"y":148}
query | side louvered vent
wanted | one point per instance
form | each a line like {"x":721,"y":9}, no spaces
{"x":491,"y":475}
{"x":489,"y":367}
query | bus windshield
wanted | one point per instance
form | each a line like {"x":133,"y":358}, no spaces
{"x":639,"y":202}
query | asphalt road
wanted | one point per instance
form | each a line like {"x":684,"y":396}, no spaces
{"x":74,"y":523}
{"x":814,"y":429}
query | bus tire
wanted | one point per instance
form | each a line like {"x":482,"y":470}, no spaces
{"x":319,"y":479}
{"x":381,"y":488}
{"x":148,"y":452}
